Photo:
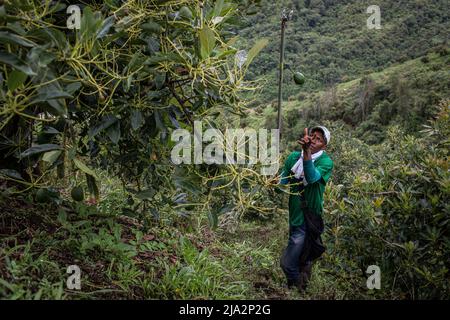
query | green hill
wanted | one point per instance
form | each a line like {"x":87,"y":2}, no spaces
{"x":329,"y":40}
{"x":403,"y":93}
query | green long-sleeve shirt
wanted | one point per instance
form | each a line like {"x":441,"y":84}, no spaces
{"x":318,"y":172}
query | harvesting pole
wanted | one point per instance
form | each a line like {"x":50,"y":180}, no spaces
{"x":285,"y":17}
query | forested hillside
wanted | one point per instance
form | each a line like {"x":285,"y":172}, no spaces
{"x":405,"y":94}
{"x":329,"y":40}
{"x":91,"y":115}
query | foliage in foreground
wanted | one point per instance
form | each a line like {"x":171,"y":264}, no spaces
{"x":389,"y":206}
{"x":110,"y":94}
{"x":386,"y":205}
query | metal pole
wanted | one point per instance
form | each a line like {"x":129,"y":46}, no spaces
{"x":285,"y":16}
{"x":281,"y":67}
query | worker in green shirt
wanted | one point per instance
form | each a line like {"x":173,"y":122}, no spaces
{"x":306,"y":173}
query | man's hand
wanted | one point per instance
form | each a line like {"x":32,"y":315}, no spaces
{"x":305,"y":142}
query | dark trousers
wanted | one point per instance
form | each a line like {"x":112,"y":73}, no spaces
{"x":291,"y":255}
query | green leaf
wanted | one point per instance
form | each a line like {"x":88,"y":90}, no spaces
{"x":136,"y":119}
{"x":112,"y":4}
{"x":52,"y":97}
{"x":225,"y":53}
{"x":52,"y":37}
{"x":174,"y":120}
{"x":127,"y":84}
{"x":17,"y":63}
{"x":160,"y":79}
{"x":7,"y":285}
{"x":92,"y":185}
{"x":11,"y":38}
{"x":62,"y":216}
{"x":72,"y":153}
{"x":185,"y":13}
{"x":51,"y":156}
{"x":163,"y":57}
{"x":213,"y":219}
{"x":259,"y":45}
{"x":113,"y":132}
{"x":39,"y":149}
{"x":136,"y":61}
{"x":186,"y":181}
{"x":15,"y":79}
{"x":6,"y":17}
{"x":15,"y":28}
{"x":106,"y":25}
{"x":11,"y":173}
{"x":207,"y":42}
{"x":51,"y":94}
{"x":153,"y":45}
{"x":41,"y":57}
{"x":218,"y":8}
{"x":80,"y":165}
{"x":146,"y":194}
{"x":159,"y":121}
{"x":57,"y":107}
{"x":104,"y":123}
{"x":73,"y":87}
{"x":87,"y":25}
{"x":151,"y":27}
{"x":57,"y":7}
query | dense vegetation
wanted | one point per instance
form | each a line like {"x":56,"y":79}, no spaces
{"x":405,"y":94}
{"x":86,"y":122}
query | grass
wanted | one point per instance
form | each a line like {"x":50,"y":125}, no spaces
{"x":120,"y":259}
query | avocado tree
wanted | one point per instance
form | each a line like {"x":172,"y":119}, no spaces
{"x":109,"y":94}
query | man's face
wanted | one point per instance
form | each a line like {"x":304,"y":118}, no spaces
{"x":317,"y":141}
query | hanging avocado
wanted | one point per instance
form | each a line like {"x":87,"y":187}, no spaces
{"x":186,"y":13}
{"x":42,"y":196}
{"x":299,"y":78}
{"x":77,"y":193}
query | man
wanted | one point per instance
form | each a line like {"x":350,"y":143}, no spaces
{"x":307,"y":173}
